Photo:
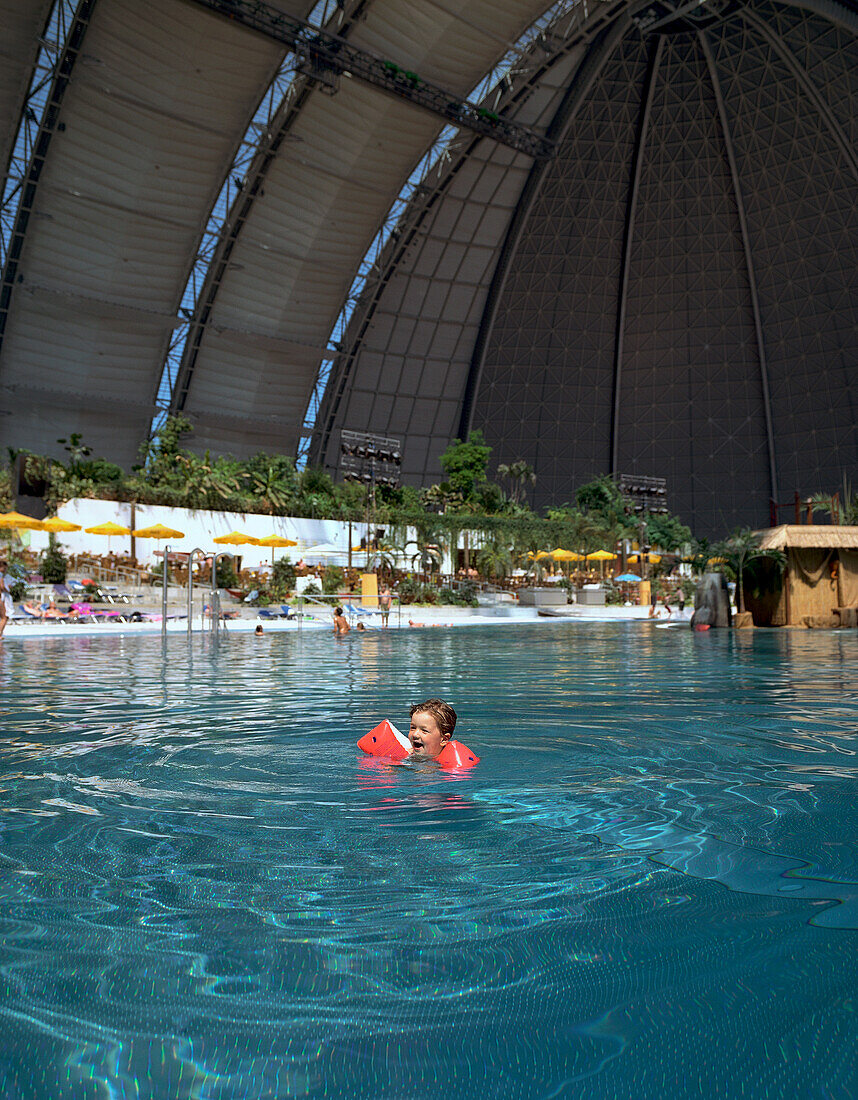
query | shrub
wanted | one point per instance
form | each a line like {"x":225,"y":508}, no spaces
{"x":333,"y":580}
{"x":226,"y":574}
{"x":409,"y":590}
{"x":54,"y":564}
{"x":312,"y":590}
{"x":464,"y":596}
{"x":282,"y":579}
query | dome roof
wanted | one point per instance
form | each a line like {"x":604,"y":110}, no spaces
{"x":671,"y":294}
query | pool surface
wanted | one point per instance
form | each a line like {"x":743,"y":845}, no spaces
{"x":647,"y":888}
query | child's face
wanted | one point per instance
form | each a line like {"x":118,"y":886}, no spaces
{"x":424,"y":734}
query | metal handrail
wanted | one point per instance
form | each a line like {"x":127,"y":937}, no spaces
{"x":215,"y":606}
{"x":196,"y":550}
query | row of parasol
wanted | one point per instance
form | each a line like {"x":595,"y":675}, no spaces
{"x":157,"y":531}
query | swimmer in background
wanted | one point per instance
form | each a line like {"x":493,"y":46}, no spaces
{"x":341,"y":624}
{"x":432,"y":725}
{"x":258,"y":631}
{"x":361,"y":626}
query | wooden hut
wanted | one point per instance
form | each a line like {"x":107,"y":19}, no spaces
{"x":819,"y":586}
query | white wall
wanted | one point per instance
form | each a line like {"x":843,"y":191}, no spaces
{"x":199,"y":528}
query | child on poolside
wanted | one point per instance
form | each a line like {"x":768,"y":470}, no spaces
{"x":432,"y":725}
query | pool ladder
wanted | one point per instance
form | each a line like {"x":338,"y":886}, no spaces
{"x":215,"y":595}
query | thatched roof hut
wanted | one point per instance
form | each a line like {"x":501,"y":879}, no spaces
{"x":819,"y":583}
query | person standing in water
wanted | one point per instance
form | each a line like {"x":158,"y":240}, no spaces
{"x":384,"y":600}
{"x":6,"y":605}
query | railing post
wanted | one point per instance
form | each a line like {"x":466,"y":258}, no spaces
{"x":164,"y":594}
{"x":196,"y":550}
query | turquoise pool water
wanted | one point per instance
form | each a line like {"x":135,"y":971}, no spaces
{"x":647,"y":888}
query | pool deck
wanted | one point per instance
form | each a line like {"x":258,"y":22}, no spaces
{"x":420,"y":617}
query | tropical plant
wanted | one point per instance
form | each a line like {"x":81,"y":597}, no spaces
{"x":271,"y":479}
{"x":465,"y":464}
{"x":53,"y":562}
{"x":282,"y":579}
{"x":739,"y":550}
{"x":603,"y":500}
{"x":842,"y":507}
{"x":494,"y":559}
{"x":333,"y":579}
{"x":76,"y":448}
{"x":7,"y":496}
{"x":520,"y":474}
{"x":666,"y":531}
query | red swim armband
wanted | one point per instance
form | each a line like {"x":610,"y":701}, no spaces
{"x":456,"y":755}
{"x":385,"y":740}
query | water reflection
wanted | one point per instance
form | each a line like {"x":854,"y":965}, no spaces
{"x":195,"y":848}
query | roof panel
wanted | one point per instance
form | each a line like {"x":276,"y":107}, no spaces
{"x":150,"y":120}
{"x":23,"y":22}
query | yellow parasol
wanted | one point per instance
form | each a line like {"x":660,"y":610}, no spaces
{"x":559,"y":554}
{"x":157,"y":531}
{"x":236,"y":538}
{"x":108,"y":529}
{"x":16,"y":519}
{"x":57,"y":524}
{"x":275,"y":540}
{"x":601,"y":556}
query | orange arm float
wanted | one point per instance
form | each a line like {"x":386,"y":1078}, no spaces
{"x":386,"y":740}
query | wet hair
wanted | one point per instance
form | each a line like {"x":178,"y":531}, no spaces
{"x":258,"y":629}
{"x":338,"y":611}
{"x":442,"y":712}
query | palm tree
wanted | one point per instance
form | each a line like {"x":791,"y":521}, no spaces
{"x":494,"y":559}
{"x":520,"y":474}
{"x":842,"y":507}
{"x":739,"y":550}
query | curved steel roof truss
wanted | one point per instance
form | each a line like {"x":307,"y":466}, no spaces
{"x":33,"y":146}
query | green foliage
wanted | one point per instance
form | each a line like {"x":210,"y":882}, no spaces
{"x":494,"y":559}
{"x":740,"y":549}
{"x":463,"y":596}
{"x":666,"y":531}
{"x":333,"y":580}
{"x":76,"y":448}
{"x":412,"y":591}
{"x":226,"y":576}
{"x":7,"y":497}
{"x":520,"y":474}
{"x":842,"y":507}
{"x":312,"y":590}
{"x":465,"y":464}
{"x":602,"y":499}
{"x":282,"y":579}
{"x":53,"y":563}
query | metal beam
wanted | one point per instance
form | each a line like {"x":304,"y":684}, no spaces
{"x":628,"y":236}
{"x":749,"y":261}
{"x":329,"y":57}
